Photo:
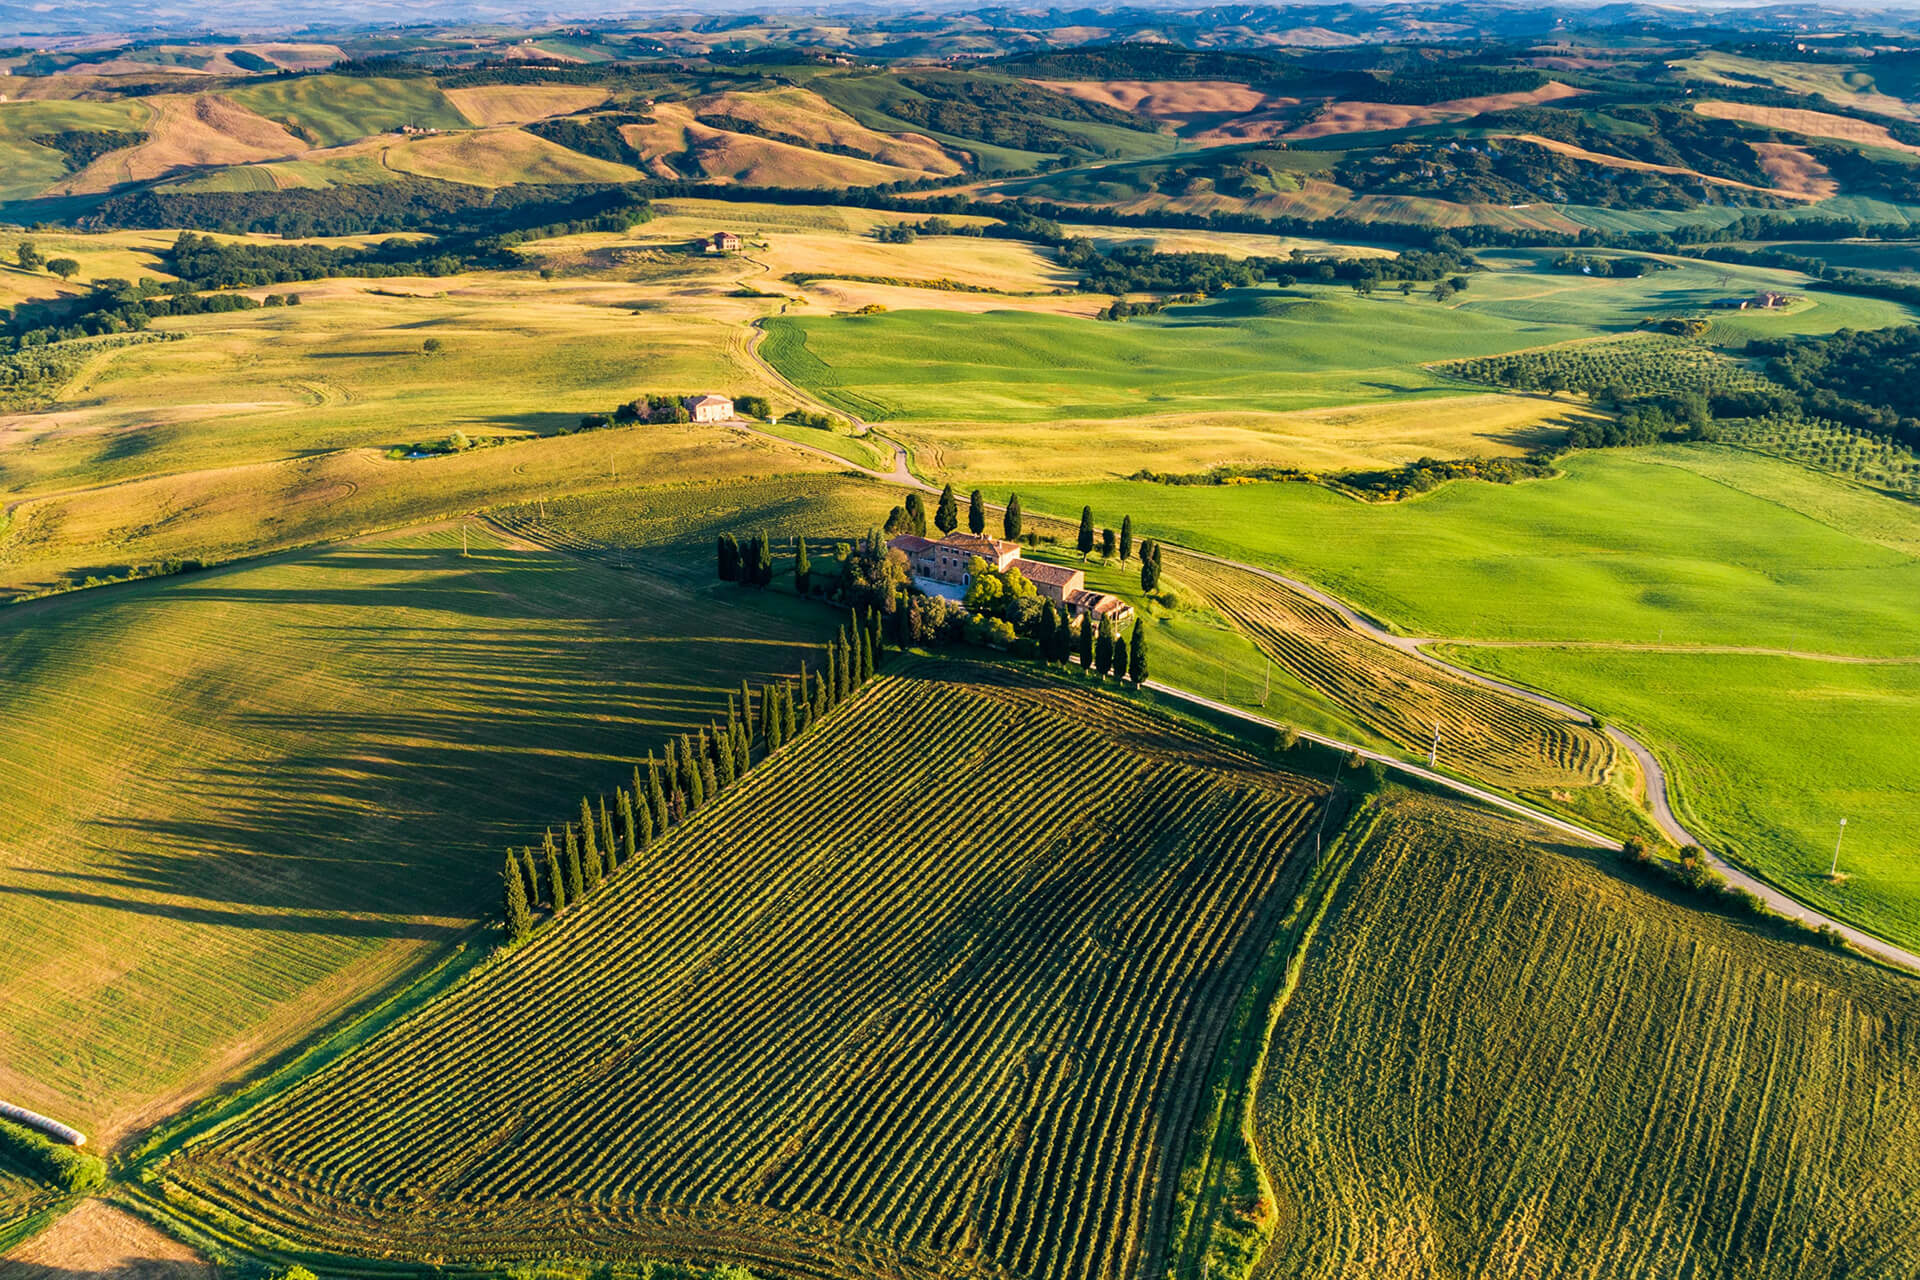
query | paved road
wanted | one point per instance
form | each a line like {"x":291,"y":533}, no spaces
{"x":1654,"y":776}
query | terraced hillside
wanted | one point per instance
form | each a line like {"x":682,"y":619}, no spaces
{"x":929,"y":992}
{"x":1501,"y":1060}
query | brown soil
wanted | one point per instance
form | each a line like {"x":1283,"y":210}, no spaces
{"x":1814,"y":124}
{"x":1793,"y":169}
{"x":108,"y":1243}
{"x":1359,"y":117}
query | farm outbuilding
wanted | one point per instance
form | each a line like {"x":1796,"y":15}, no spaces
{"x":710,"y":408}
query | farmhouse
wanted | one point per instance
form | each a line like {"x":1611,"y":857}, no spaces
{"x":710,"y":408}
{"x":723,"y":242}
{"x":945,"y":563}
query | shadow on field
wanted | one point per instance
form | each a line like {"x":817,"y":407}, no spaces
{"x":418,"y":711}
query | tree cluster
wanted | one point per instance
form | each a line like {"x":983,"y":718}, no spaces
{"x":610,"y":834}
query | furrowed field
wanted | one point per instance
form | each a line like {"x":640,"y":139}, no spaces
{"x":934,"y":989}
{"x":237,"y":802}
{"x":1502,"y":1060}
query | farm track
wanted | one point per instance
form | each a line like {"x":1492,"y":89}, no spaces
{"x":1654,"y":776}
{"x":975,"y":1058}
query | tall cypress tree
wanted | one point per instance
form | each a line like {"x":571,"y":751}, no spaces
{"x":1126,"y":538}
{"x":576,"y":883}
{"x":1103,"y":649}
{"x":819,"y":696}
{"x":947,"y":517}
{"x":556,"y":879}
{"x":742,"y":748}
{"x":1086,"y":645}
{"x":916,"y":514}
{"x":976,"y":512}
{"x":609,"y":851}
{"x":1149,"y":565}
{"x":709,"y":779}
{"x":866,"y":654}
{"x":514,"y":911}
{"x":643,"y":825}
{"x":723,"y":756}
{"x":657,"y":797}
{"x":802,"y":570}
{"x":629,"y":829}
{"x":532,"y":875}
{"x":845,"y":659}
{"x":1108,"y":543}
{"x":589,"y":843}
{"x":1010,"y":523}
{"x":676,"y":802}
{"x":1049,"y":634}
{"x":770,"y":700}
{"x":1137,"y":655}
{"x":690,"y":777}
{"x":1120,"y":657}
{"x":1086,"y":531}
{"x":746,"y":705}
{"x":786,"y":713}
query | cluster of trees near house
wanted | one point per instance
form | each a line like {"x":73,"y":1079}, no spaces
{"x":667,"y":407}
{"x":606,"y":837}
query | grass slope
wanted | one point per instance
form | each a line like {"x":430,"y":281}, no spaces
{"x":214,"y":844}
{"x":1501,"y":1060}
{"x":330,"y":111}
{"x":822,"y":1029}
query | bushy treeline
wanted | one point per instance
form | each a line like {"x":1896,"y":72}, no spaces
{"x":609,"y":834}
{"x":82,"y":147}
{"x":1863,"y":378}
{"x":68,"y":1168}
{"x":598,"y":136}
{"x":1452,"y":83}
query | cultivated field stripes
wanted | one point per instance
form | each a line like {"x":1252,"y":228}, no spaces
{"x":1506,"y":740}
{"x":864,"y":1048}
{"x":1513,"y":1061}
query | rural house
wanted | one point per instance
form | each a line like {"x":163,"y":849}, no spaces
{"x":710,"y":408}
{"x":945,"y":563}
{"x":723,"y":242}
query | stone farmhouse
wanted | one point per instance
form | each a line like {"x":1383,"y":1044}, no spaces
{"x":709,"y":408}
{"x":723,"y":242}
{"x":947,"y":562}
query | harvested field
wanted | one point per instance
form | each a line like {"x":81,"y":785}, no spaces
{"x":105,"y":1243}
{"x":501,"y":158}
{"x":1814,"y":124}
{"x":684,"y":146}
{"x":1795,"y":170}
{"x":492,"y":104}
{"x":1491,"y":735}
{"x":1503,"y":1060}
{"x":800,"y":113}
{"x":1375,"y":117}
{"x":186,"y":133}
{"x":811,"y":1033}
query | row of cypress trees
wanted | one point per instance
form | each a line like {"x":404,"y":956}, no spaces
{"x":697,"y":769}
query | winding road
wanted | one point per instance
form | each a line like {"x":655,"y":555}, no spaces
{"x":1776,"y":900}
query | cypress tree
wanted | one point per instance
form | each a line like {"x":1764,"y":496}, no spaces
{"x":576,"y":886}
{"x":695,"y":783}
{"x":1086,"y":645}
{"x":1103,"y":649}
{"x":1149,"y":565}
{"x":1126,"y":538}
{"x":609,"y":851}
{"x":746,"y":706}
{"x":1086,"y":531}
{"x":643,"y":825}
{"x":947,"y":517}
{"x":532,"y":876}
{"x":1120,"y":657}
{"x":1137,"y":655}
{"x":844,"y":674}
{"x":729,"y":556}
{"x":819,"y":696}
{"x":1107,"y":543}
{"x":556,"y":882}
{"x":514,"y":911}
{"x":976,"y":512}
{"x":677,"y":803}
{"x":723,"y":757}
{"x":629,"y":830}
{"x":657,"y":796}
{"x":1049,"y":634}
{"x":771,"y":701}
{"x":786,"y":713}
{"x":709,"y":782}
{"x":766,"y":560}
{"x":916,"y":514}
{"x":866,"y":656}
{"x":1010,"y":523}
{"x":742,"y":748}
{"x":802,"y":570}
{"x":589,"y":844}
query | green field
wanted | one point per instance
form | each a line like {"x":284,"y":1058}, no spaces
{"x":823,"y":1028}
{"x":330,"y":111}
{"x":1252,"y":349}
{"x":240,"y":801}
{"x":1503,"y":1061}
{"x":1675,"y":545}
{"x":1765,"y":755}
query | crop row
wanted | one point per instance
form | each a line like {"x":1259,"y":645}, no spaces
{"x":1500,"y":737}
{"x":930,"y":989}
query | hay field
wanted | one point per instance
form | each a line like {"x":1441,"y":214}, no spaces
{"x":1814,"y":124}
{"x":1252,"y":349}
{"x":1351,"y":437}
{"x":29,"y":169}
{"x":215,"y":846}
{"x":1380,"y":117}
{"x":500,"y":158}
{"x":808,"y":1033}
{"x":801,"y":113}
{"x":721,"y":155}
{"x":329,"y":111}
{"x":494,"y":104}
{"x":99,"y":1239}
{"x":1234,"y":244}
{"x":346,"y":369}
{"x":1504,"y":1060}
{"x":201,"y":131}
{"x":1836,"y":82}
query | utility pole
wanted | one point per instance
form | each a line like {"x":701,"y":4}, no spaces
{"x":1834,"y":870}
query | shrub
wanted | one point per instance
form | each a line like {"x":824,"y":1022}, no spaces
{"x":68,"y":1168}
